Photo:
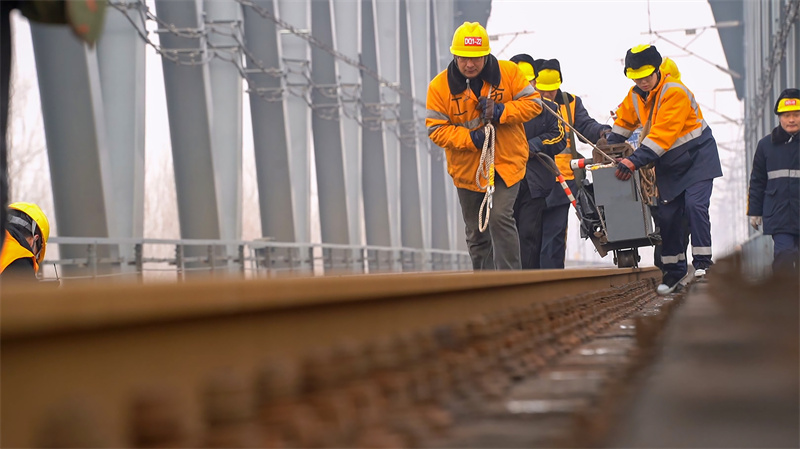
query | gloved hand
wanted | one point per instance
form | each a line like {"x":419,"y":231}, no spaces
{"x":478,"y":137}
{"x":602,"y":140}
{"x":490,"y":111}
{"x":625,"y":170}
{"x":755,"y":222}
{"x":535,"y":145}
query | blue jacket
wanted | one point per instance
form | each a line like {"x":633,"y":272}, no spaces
{"x":546,"y":133}
{"x":775,"y":183}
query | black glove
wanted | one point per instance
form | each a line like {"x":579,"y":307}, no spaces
{"x":535,"y":145}
{"x":478,"y":137}
{"x":490,"y":111}
{"x":624,"y":170}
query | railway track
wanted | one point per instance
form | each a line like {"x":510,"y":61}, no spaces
{"x":422,"y":360}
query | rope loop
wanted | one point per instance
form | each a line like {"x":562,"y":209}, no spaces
{"x":486,"y":172}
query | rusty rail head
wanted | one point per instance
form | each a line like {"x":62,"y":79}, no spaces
{"x":103,"y":305}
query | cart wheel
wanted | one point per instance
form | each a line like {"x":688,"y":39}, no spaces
{"x":627,"y":258}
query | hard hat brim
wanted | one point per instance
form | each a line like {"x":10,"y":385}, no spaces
{"x":551,"y":86}
{"x":469,"y":53}
{"x":641,"y":72}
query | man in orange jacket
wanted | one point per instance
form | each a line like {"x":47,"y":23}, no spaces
{"x":25,"y":242}
{"x":477,"y":88}
{"x":678,"y":141}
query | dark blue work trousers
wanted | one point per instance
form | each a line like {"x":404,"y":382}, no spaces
{"x":691,"y":205}
{"x":786,"y":253}
{"x":528,"y":213}
{"x":554,"y":236}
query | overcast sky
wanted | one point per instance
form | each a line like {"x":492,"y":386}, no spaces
{"x":589,"y":38}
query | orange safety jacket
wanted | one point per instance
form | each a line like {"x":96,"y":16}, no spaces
{"x":563,"y":159}
{"x":574,"y":112}
{"x":452,"y":112}
{"x":13,"y":250}
{"x":676,"y":138}
{"x":676,"y":120}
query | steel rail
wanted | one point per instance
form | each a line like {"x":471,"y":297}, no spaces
{"x":93,"y":346}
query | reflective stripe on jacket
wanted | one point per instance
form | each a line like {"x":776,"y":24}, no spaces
{"x":679,"y":141}
{"x":677,"y":118}
{"x":775,"y":183}
{"x":452,"y":114}
{"x":13,"y":250}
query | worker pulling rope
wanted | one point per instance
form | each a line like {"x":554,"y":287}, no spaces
{"x":486,"y":172}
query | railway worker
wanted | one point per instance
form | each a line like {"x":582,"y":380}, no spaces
{"x":775,"y":184}
{"x":545,"y":135}
{"x":476,"y":87}
{"x":676,"y":138}
{"x":668,"y":67}
{"x":548,"y":84}
{"x":26,"y":234}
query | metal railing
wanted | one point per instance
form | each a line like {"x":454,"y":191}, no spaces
{"x":176,"y":259}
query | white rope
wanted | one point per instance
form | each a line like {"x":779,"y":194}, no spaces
{"x":486,"y":172}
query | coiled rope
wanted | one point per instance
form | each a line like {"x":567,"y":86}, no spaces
{"x":486,"y":172}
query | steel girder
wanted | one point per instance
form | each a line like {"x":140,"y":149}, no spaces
{"x":190,"y":108}
{"x":297,"y":72}
{"x":74,"y":121}
{"x":443,"y":21}
{"x":121,"y":60}
{"x":269,"y":127}
{"x":441,"y":201}
{"x":347,"y":40}
{"x":226,"y":126}
{"x":377,"y":222}
{"x":327,"y":129}
{"x":226,"y":100}
{"x":414,"y":204}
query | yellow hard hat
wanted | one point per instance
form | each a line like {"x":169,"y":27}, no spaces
{"x":788,"y":101}
{"x":548,"y":79}
{"x":470,"y":40}
{"x":668,"y":67}
{"x":39,"y":218}
{"x":641,"y":61}
{"x":527,"y":69}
